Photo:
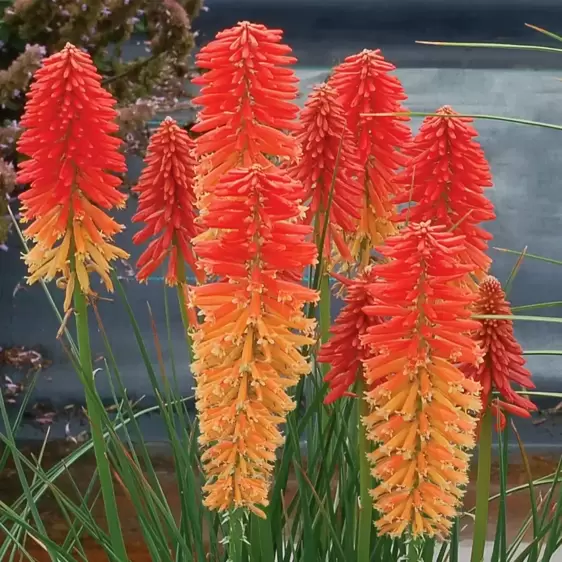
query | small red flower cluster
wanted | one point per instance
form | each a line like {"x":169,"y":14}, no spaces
{"x":247,"y":98}
{"x":329,"y":169}
{"x":167,"y":204}
{"x":503,"y":363}
{"x":446,"y":177}
{"x":345,"y":351}
{"x":366,"y":86}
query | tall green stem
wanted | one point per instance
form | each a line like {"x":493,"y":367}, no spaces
{"x":236,"y":536}
{"x":95,"y":414}
{"x":482,"y":488}
{"x":366,"y":511}
{"x":325,"y":311}
{"x":183,"y":305}
{"x":415,"y":549}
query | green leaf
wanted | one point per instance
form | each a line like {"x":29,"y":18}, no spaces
{"x":492,"y":46}
{"x":544,"y":32}
{"x":514,"y":120}
{"x":515,"y":317}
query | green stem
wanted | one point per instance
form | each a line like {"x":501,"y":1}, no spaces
{"x":325,"y":312}
{"x":366,"y":510}
{"x":470,"y":115}
{"x":325,"y":305}
{"x":415,"y":548}
{"x":183,"y":306}
{"x":236,"y":536}
{"x":95,"y":409}
{"x":482,"y":488}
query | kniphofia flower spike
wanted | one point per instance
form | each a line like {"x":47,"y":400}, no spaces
{"x":247,"y":97}
{"x":329,"y":169}
{"x":167,"y":204}
{"x":446,"y":177}
{"x":365,"y":86}
{"x":421,"y":414}
{"x":345,"y":351}
{"x":503,"y":363}
{"x":68,"y":122}
{"x":247,"y":348}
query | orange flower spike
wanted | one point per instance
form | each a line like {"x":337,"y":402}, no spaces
{"x":167,"y":203}
{"x":247,"y":97}
{"x":446,"y":177}
{"x":365,"y":85}
{"x":419,"y":400}
{"x":344,"y":351}
{"x":247,"y":351}
{"x":503,"y":357}
{"x":329,"y":156}
{"x":68,"y":122}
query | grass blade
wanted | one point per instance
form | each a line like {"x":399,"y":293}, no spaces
{"x":535,"y":306}
{"x":514,"y":271}
{"x":508,"y":46}
{"x":515,"y":317}
{"x":544,"y":31}
{"x":533,"y":554}
{"x":484,"y":116}
{"x":499,"y":552}
{"x":527,"y":255}
{"x":479,"y":536}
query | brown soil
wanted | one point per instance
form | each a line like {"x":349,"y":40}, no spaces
{"x":517,"y":508}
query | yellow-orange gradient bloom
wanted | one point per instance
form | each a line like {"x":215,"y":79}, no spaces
{"x":167,"y":203}
{"x":503,"y":363}
{"x":365,"y":85}
{"x":247,"y":99}
{"x":69,"y":121}
{"x":423,"y":414}
{"x":247,"y":347}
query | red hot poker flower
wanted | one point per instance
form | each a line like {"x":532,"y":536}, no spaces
{"x":167,"y":203}
{"x":69,"y":121}
{"x":446,"y":178}
{"x":247,"y":347}
{"x":365,"y":85}
{"x":421,"y":411}
{"x":329,"y":156}
{"x":247,"y":97}
{"x":503,"y":357}
{"x":345,"y":351}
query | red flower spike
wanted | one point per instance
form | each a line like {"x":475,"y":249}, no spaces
{"x":503,"y":357}
{"x":69,"y":122}
{"x":323,"y":163}
{"x":248,"y":346}
{"x":446,"y":177}
{"x":421,"y":404}
{"x":365,"y":85}
{"x":282,"y":246}
{"x":167,"y":203}
{"x":247,"y":97}
{"x":344,"y":351}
